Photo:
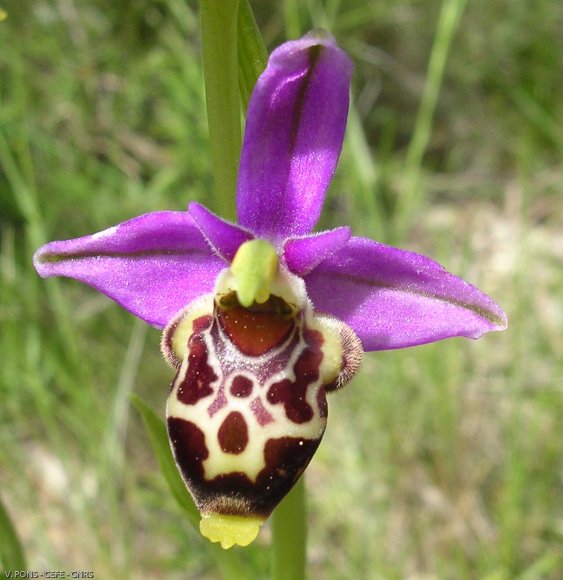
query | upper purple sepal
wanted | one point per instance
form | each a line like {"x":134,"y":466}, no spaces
{"x":393,"y":298}
{"x":152,"y":265}
{"x":294,"y":132}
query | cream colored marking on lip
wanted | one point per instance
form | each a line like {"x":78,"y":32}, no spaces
{"x":331,"y":348}
{"x":174,"y":342}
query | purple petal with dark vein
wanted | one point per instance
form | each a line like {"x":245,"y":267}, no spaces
{"x":223,"y":237}
{"x":152,"y":265}
{"x":294,"y":131}
{"x":393,"y":298}
{"x":304,"y":254}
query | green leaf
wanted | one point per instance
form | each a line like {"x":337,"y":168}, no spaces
{"x":11,"y":551}
{"x":159,"y":440}
{"x":252,"y":53}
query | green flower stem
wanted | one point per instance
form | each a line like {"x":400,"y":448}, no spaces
{"x":289,"y":529}
{"x":220,"y":66}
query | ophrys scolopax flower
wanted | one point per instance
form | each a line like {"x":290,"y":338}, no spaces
{"x":263,"y":318}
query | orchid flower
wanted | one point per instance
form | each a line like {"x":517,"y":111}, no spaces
{"x":263,"y":318}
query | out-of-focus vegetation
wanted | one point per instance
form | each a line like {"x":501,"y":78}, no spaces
{"x":442,"y":461}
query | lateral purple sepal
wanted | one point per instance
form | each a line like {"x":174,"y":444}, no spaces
{"x":295,"y":127}
{"x":152,"y":265}
{"x":305,"y":253}
{"x":224,"y":238}
{"x":393,"y":298}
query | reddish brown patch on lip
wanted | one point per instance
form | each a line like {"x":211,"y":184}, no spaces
{"x":202,"y":323}
{"x":287,"y":458}
{"x":198,"y":326}
{"x":292,"y":394}
{"x":233,"y":434}
{"x":188,"y":443}
{"x":234,"y":493}
{"x":258,"y":329}
{"x":241,"y":386}
{"x":199,"y":375}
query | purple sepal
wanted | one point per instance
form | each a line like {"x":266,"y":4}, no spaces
{"x":294,"y":132}
{"x":393,"y":298}
{"x":304,"y":254}
{"x":223,"y":237}
{"x":152,"y":265}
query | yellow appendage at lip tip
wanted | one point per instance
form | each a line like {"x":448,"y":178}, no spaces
{"x":229,"y":530}
{"x":254,"y":268}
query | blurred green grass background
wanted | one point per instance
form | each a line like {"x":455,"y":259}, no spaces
{"x":442,"y":461}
